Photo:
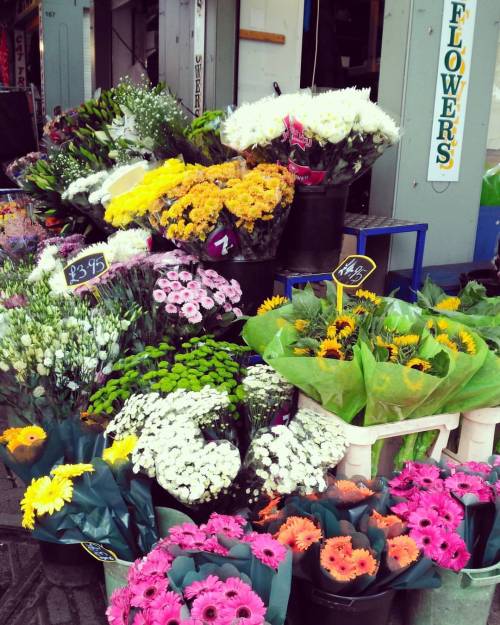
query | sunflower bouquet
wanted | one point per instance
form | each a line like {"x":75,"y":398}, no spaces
{"x":314,"y":347}
{"x":347,"y":542}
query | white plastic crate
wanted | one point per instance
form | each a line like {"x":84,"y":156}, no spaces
{"x":477,"y":435}
{"x":357,"y":459}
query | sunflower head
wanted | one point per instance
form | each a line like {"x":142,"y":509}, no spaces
{"x":330,"y":348}
{"x":467,"y":343}
{"x":449,"y":303}
{"x":300,"y":324}
{"x":360,"y":310}
{"x":368,"y":296}
{"x":271,"y":303}
{"x":392,"y":348}
{"x":406,"y":340}
{"x":344,"y":325}
{"x":445,"y":340}
{"x":419,"y":364}
{"x":301,"y":351}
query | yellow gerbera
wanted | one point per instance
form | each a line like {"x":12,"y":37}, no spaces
{"x":45,"y":496}
{"x":449,"y":303}
{"x":301,"y":351}
{"x":467,"y":342}
{"x":390,"y":347}
{"x":369,"y":296}
{"x":300,"y":324}
{"x":445,"y":340}
{"x":344,"y":326}
{"x":406,"y":339}
{"x":330,"y":348}
{"x":72,"y":470}
{"x":418,"y":363}
{"x":120,"y":450}
{"x":271,"y":303}
{"x":28,"y":436}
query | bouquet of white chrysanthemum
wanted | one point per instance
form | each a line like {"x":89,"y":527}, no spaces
{"x":330,"y":138}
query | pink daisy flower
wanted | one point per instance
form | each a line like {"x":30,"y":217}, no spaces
{"x":245,"y":609}
{"x":207,"y":607}
{"x":404,"y":509}
{"x":449,"y":511}
{"x":478,"y":467}
{"x":234,"y":587}
{"x":159,"y":295}
{"x":144,"y":593}
{"x":496,"y":461}
{"x":194,"y":285}
{"x":208,"y":282}
{"x":145,"y":617}
{"x":189,"y":309}
{"x":163,"y":283}
{"x":427,"y":539}
{"x":224,"y":524}
{"x":185,"y":276}
{"x":158,"y":562}
{"x":423,"y":517}
{"x":119,"y":607}
{"x":212,"y":545}
{"x":197,"y":317}
{"x":166,"y":599}
{"x":167,"y":615}
{"x":207,"y":302}
{"x":238,"y":312}
{"x":171,"y":309}
{"x":269,"y":551}
{"x":426,"y":475}
{"x":210,"y":584}
{"x":210,"y":273}
{"x":176,"y":286}
{"x":462,"y":484}
{"x":219,"y":297}
{"x":172,"y":275}
{"x":174,"y":298}
{"x":452,"y":552}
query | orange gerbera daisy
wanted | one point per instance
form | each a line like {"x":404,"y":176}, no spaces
{"x":348,"y":490}
{"x":403,"y":550}
{"x":364,"y":562}
{"x":381,"y":521}
{"x":287,"y":536}
{"x":343,"y":570}
{"x":299,"y":532}
{"x":308,"y":537}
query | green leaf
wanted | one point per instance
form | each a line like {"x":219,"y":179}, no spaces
{"x":430,"y":294}
{"x":305,"y":303}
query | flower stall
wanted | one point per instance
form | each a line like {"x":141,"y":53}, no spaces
{"x":230,"y":456}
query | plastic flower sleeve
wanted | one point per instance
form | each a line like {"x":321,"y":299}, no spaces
{"x":259,"y":331}
{"x":335,"y":384}
{"x":492,"y":548}
{"x":481,"y":391}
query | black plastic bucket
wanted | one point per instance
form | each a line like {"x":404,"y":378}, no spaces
{"x":323,"y":607}
{"x":312,"y":239}
{"x":256,"y":278}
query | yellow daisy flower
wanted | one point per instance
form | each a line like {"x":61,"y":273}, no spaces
{"x":72,"y":470}
{"x":344,"y":326}
{"x":445,"y":340}
{"x":467,"y":342}
{"x":419,"y":364}
{"x":449,"y":303}
{"x":27,"y":436}
{"x":330,"y":348}
{"x":406,"y":339}
{"x":390,"y":347}
{"x":271,"y":303}
{"x":300,"y":324}
{"x":46,"y":496}
{"x":369,"y":296}
{"x":120,"y":450}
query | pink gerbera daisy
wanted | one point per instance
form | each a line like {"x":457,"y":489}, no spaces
{"x":478,"y":467}
{"x":119,"y":607}
{"x":246,"y":609}
{"x":423,"y":517}
{"x":449,"y":511}
{"x":427,"y":539}
{"x":210,"y":584}
{"x":224,"y":524}
{"x":234,"y":587}
{"x":158,"y":562}
{"x":269,"y":551}
{"x":166,"y":599}
{"x":207,"y":607}
{"x":167,"y":615}
{"x":212,"y":545}
{"x":462,"y":484}
{"x":404,"y":509}
{"x":145,"y":617}
{"x":452,"y":552}
{"x":145,"y":592}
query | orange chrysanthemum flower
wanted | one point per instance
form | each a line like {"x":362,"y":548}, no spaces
{"x":364,"y":562}
{"x":403,"y":550}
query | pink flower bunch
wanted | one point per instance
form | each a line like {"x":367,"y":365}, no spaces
{"x":191,"y":295}
{"x":432,"y":511}
{"x":149,"y":600}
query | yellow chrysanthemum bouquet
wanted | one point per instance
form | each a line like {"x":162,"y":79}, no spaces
{"x":216,"y":212}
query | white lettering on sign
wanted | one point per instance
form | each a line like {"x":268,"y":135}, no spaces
{"x":452,"y":85}
{"x":225,"y":243}
{"x":353,"y":270}
{"x":199,"y":57}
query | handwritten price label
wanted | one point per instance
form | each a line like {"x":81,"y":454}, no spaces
{"x":222,"y":243}
{"x":99,"y":552}
{"x":84,"y":269}
{"x":351,"y":273}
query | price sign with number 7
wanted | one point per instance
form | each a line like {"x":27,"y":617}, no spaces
{"x":351,"y":273}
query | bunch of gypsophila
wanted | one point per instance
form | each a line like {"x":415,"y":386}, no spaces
{"x":172,"y":446}
{"x":199,"y":362}
{"x":54,"y":351}
{"x":267,"y":396}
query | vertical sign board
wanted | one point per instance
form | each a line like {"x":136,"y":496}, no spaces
{"x":199,"y":56}
{"x":20,"y":59}
{"x":450,"y":106}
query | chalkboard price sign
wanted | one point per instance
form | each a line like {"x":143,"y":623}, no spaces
{"x":99,"y":552}
{"x":84,"y":269}
{"x":353,"y":271}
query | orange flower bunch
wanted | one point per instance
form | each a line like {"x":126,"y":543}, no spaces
{"x":299,"y":533}
{"x":270,"y":512}
{"x":402,"y":551}
{"x":384,"y":522}
{"x":345,"y":563}
{"x":348,"y":491}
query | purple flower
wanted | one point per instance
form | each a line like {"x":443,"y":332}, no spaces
{"x":15,"y":301}
{"x":159,"y":295}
